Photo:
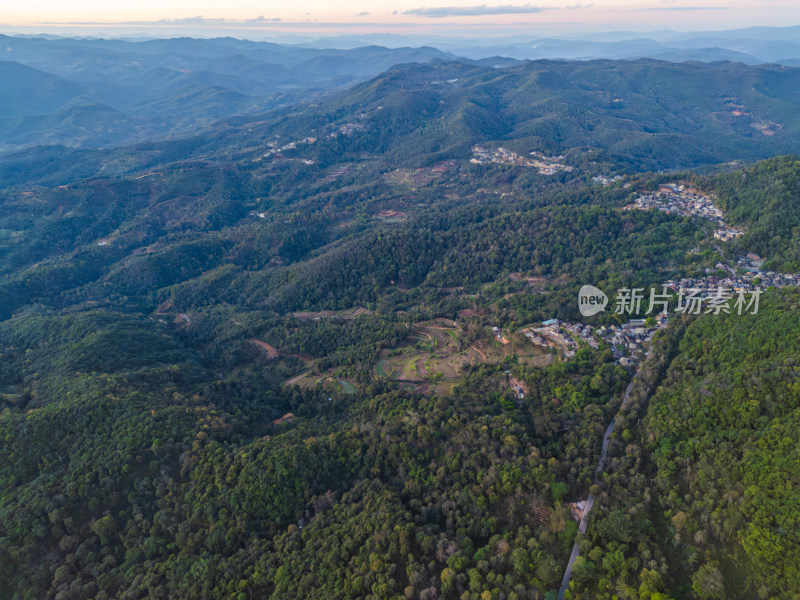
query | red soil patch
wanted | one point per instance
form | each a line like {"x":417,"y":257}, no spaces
{"x":270,"y":350}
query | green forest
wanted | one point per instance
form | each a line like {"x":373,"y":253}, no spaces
{"x":246,"y":365}
{"x":704,"y":502}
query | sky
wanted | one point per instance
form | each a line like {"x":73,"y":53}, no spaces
{"x":250,"y":18}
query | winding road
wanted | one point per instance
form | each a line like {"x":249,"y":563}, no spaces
{"x":590,"y":499}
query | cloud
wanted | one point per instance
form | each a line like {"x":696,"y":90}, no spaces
{"x":363,"y":14}
{"x":474,"y":11}
{"x":682,"y":8}
{"x":191,"y":20}
{"x":206,"y":21}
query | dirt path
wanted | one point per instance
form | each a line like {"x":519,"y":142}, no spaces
{"x":479,"y":351}
{"x":295,"y":379}
{"x":270,"y":350}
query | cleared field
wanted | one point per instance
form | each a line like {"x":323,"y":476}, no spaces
{"x":347,"y":386}
{"x":383,"y":369}
{"x":9,"y":394}
{"x":433,"y":360}
{"x":310,"y":380}
{"x":350,"y":313}
{"x":307,"y":380}
{"x":440,"y":351}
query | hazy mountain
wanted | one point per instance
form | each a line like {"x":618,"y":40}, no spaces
{"x":646,"y":112}
{"x":29,"y":91}
{"x":157,"y":88}
{"x":752,"y":45}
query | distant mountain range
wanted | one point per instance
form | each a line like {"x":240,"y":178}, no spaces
{"x":646,"y":113}
{"x":642,"y":114}
{"x":94,"y":93}
{"x":754,"y":45}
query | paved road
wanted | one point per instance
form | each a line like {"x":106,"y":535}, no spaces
{"x":590,"y":499}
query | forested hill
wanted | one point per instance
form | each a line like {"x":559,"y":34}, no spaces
{"x":287,"y":358}
{"x":640,"y":114}
{"x":643,"y":113}
{"x":705,"y":503}
{"x":646,"y":113}
{"x":765,"y":200}
{"x":109,"y":92}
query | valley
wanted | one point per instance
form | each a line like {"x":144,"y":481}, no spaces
{"x":331,"y":346}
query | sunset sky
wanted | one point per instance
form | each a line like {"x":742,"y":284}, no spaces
{"x":443,"y":17}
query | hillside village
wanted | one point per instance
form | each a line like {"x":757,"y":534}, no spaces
{"x":546,"y":165}
{"x":678,"y":199}
{"x":627,"y":341}
{"x":606,"y":181}
{"x":276,"y":150}
{"x":747,"y":276}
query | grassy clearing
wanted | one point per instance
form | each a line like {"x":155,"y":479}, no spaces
{"x":385,"y":369}
{"x":439,"y":354}
{"x":347,"y":386}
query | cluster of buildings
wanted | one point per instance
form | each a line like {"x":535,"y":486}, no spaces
{"x":604,"y":181}
{"x":347,"y":129}
{"x":727,"y":233}
{"x":713,"y":293}
{"x":276,"y":151}
{"x":546,"y":165}
{"x":518,"y":387}
{"x":552,"y":334}
{"x":627,"y":341}
{"x":678,"y":199}
{"x":722,"y":289}
{"x":752,"y":274}
{"x":748,"y":276}
{"x":498,"y":335}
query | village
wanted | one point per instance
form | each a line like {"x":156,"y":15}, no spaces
{"x":546,"y":165}
{"x":627,"y":341}
{"x":276,"y":151}
{"x":606,"y":181}
{"x":747,"y":276}
{"x":678,"y":199}
{"x":347,"y":130}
